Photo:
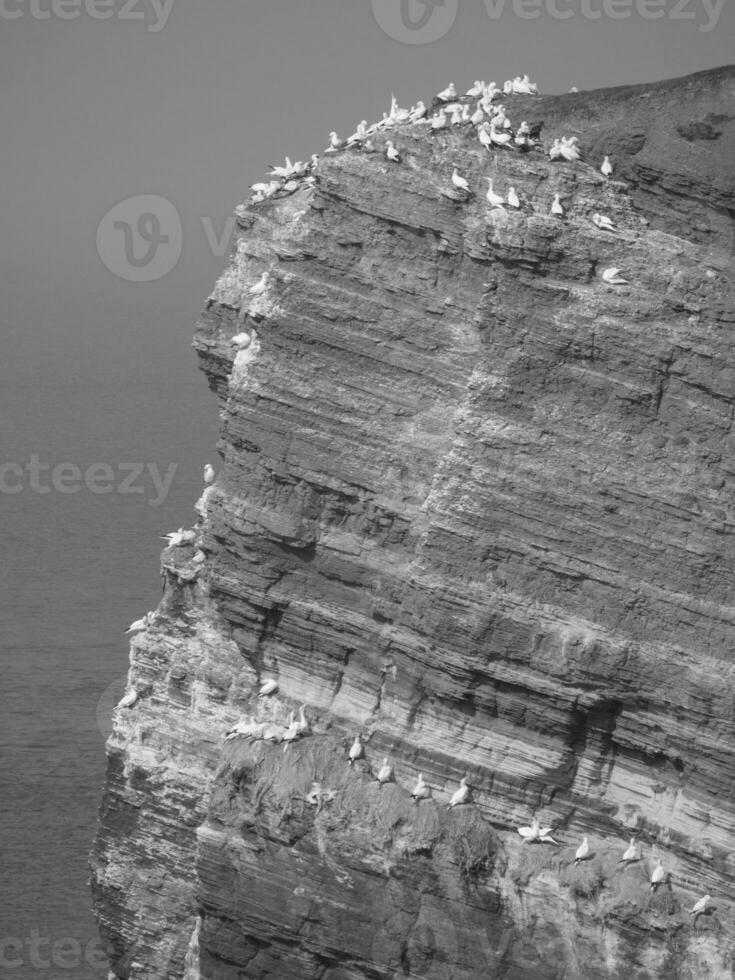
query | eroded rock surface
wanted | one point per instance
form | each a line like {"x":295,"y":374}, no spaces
{"x":478,"y":506}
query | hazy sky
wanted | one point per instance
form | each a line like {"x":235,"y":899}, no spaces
{"x":190,"y":100}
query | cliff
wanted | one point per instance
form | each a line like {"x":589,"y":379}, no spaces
{"x":478,"y":506}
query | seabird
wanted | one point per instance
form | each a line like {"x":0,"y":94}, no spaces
{"x":418,"y":112}
{"x":477,"y":90}
{"x":701,"y":906}
{"x":456,"y":115}
{"x":606,"y":168}
{"x":536,"y":833}
{"x":268,"y":687}
{"x":421,"y":790}
{"x":177,"y":538}
{"x":484,"y":137}
{"x":459,"y":182}
{"x":141,"y":624}
{"x":513,"y":198}
{"x":613,"y":278}
{"x":439,"y":121}
{"x":460,"y":795}
{"x":603,"y":222}
{"x":477,"y":116}
{"x":501,"y":139}
{"x":449,"y":93}
{"x":568,"y":148}
{"x":129,"y":700}
{"x":392,"y":153}
{"x":284,"y":172}
{"x":302,"y":722}
{"x":555,"y":150}
{"x":631,"y":853}
{"x":335,"y":143}
{"x":385,"y":773}
{"x":208,"y":473}
{"x":260,"y":286}
{"x":356,"y":750}
{"x":241,"y":340}
{"x":582,"y":851}
{"x":657,"y":876}
{"x":493,"y":199}
{"x":556,"y":207}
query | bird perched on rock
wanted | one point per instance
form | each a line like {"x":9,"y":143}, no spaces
{"x":513,"y":198}
{"x":606,"y":168}
{"x":385,"y":773}
{"x":613,"y":278}
{"x":456,"y":115}
{"x":700,"y":907}
{"x":418,"y":112}
{"x":630,"y":854}
{"x":356,"y":751}
{"x":268,"y":687}
{"x":582,"y":852}
{"x":422,"y":790}
{"x":603,"y":222}
{"x":392,"y":153}
{"x":493,"y":199}
{"x":260,"y":286}
{"x":439,"y":121}
{"x":536,"y":833}
{"x":498,"y":138}
{"x":335,"y":143}
{"x":129,"y":700}
{"x":461,"y":795}
{"x":141,"y":624}
{"x":477,"y":116}
{"x":657,"y":876}
{"x":556,"y":206}
{"x":208,"y":473}
{"x":241,"y":340}
{"x":459,"y":182}
{"x":178,"y":538}
{"x":449,"y":93}
{"x":483,"y":135}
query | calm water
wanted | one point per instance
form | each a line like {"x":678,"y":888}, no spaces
{"x":76,"y":569}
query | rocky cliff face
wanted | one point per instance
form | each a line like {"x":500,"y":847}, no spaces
{"x":477,"y":506}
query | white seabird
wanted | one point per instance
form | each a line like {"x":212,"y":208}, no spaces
{"x":630,"y":854}
{"x":606,"y":168}
{"x":701,"y":906}
{"x":141,"y":624}
{"x":478,"y":115}
{"x":613,"y":278}
{"x":241,"y":340}
{"x":460,"y":796}
{"x":208,"y":473}
{"x":439,"y":121}
{"x":459,"y":182}
{"x":391,"y":152}
{"x":335,"y":143}
{"x":603,"y":222}
{"x":657,"y":876}
{"x":260,"y":286}
{"x":385,"y":773}
{"x":418,"y":112}
{"x":484,"y":137}
{"x":456,"y":115}
{"x":268,"y":687}
{"x":493,"y":199}
{"x":449,"y":93}
{"x":356,"y":750}
{"x":129,"y":700}
{"x":556,"y":206}
{"x":513,"y":198}
{"x":477,"y":90}
{"x":536,"y":833}
{"x":422,"y":790}
{"x":500,"y":139}
{"x":582,"y":852}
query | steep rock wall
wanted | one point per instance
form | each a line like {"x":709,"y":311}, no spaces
{"x":476,"y":505}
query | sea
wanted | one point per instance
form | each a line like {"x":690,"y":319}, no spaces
{"x":92,"y":473}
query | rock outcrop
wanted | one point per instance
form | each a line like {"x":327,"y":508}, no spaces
{"x":478,"y":506}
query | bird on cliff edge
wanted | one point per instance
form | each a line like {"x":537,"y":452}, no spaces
{"x":141,"y":624}
{"x":603,"y":222}
{"x":260,"y":286}
{"x":606,"y":168}
{"x":657,"y":876}
{"x":391,"y":152}
{"x":209,"y":473}
{"x":241,"y":340}
{"x":385,"y":773}
{"x":356,"y":751}
{"x":494,"y":199}
{"x":536,"y":833}
{"x":129,"y":700}
{"x":459,"y":182}
{"x":582,"y":852}
{"x":556,"y":206}
{"x":422,"y":790}
{"x":613,"y":278}
{"x":461,"y":795}
{"x":513,"y":198}
{"x":701,"y":907}
{"x":449,"y":93}
{"x":335,"y":143}
{"x":268,"y":687}
{"x":630,"y":854}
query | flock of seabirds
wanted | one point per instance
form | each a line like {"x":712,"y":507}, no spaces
{"x":478,"y":109}
{"x":493,"y":129}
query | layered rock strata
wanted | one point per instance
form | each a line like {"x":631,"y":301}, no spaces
{"x":478,"y":506}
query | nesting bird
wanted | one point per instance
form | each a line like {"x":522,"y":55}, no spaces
{"x":391,"y":152}
{"x":606,"y":168}
{"x":141,"y":624}
{"x":460,"y":796}
{"x":536,"y":833}
{"x":556,"y":206}
{"x":440,"y":121}
{"x":356,"y":751}
{"x":241,"y":340}
{"x":494,"y":199}
{"x":335,"y":143}
{"x":385,"y":773}
{"x":603,"y":222}
{"x":657,"y":876}
{"x":260,"y":286}
{"x":513,"y":198}
{"x":268,"y":687}
{"x":422,"y":790}
{"x":630,"y":854}
{"x":700,"y":907}
{"x":459,"y":182}
{"x":449,"y":93}
{"x":613,"y":278}
{"x":129,"y":700}
{"x":208,"y":474}
{"x":582,"y":852}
